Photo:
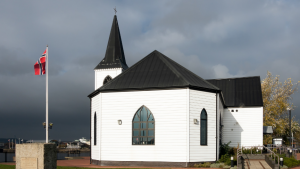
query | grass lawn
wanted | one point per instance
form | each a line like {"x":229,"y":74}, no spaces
{"x":58,"y":167}
{"x":7,"y":166}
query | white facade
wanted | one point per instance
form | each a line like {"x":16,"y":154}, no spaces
{"x":243,"y":126}
{"x":177,"y":138}
{"x":202,"y":100}
{"x":100,"y":75}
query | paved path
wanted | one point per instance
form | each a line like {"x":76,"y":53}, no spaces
{"x":85,"y":162}
{"x":256,"y":164}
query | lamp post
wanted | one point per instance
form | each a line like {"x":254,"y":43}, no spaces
{"x":49,"y":126}
{"x":290,"y":124}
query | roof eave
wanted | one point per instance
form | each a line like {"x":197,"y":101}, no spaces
{"x":152,"y":88}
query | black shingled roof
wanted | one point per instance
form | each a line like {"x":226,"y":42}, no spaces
{"x":239,"y":92}
{"x":156,"y":71}
{"x":114,"y":56}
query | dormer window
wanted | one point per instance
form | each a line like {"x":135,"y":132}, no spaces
{"x":107,"y":79}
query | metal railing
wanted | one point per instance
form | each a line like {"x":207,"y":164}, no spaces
{"x":240,"y":152}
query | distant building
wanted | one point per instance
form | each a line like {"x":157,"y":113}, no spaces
{"x":37,"y":141}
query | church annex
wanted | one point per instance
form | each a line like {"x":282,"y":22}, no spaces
{"x":158,"y":113}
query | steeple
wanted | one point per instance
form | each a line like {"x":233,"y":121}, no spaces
{"x":114,"y":56}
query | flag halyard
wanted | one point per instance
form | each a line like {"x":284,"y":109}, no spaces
{"x":40,"y":65}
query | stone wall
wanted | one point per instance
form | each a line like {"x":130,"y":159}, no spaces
{"x":36,"y":156}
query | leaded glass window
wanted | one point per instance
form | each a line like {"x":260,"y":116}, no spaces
{"x":95,"y":129}
{"x":203,"y":127}
{"x":107,"y":79}
{"x":143,"y":127}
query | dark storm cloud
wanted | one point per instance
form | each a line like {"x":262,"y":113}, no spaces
{"x":214,"y":39}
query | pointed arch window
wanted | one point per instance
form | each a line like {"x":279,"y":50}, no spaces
{"x":95,"y":129}
{"x":143,"y":127}
{"x":203,"y":127}
{"x":107,"y":79}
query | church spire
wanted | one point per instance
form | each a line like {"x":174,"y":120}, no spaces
{"x":114,"y":56}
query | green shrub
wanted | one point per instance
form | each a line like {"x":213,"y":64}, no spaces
{"x":217,"y":165}
{"x":205,"y":165}
{"x":226,"y":159}
{"x":225,"y":148}
{"x":290,"y":162}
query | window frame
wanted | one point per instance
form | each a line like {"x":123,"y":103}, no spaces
{"x":95,"y":129}
{"x":203,"y":144}
{"x":106,"y":78}
{"x":141,"y":129}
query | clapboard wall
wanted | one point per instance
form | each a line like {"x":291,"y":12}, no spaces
{"x":243,"y":126}
{"x":100,"y":74}
{"x":96,"y":108}
{"x":169,"y":108}
{"x":198,"y":101}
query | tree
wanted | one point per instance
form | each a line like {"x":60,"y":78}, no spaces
{"x":277,"y":98}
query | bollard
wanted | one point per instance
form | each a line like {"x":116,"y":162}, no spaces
{"x":232,"y":165}
{"x":281,"y":162}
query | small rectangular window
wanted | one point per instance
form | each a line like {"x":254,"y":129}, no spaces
{"x":150,"y":132}
{"x":135,"y":133}
{"x":135,"y":140}
{"x":150,"y":140}
{"x":143,"y":125}
{"x":150,"y":125}
{"x":136,"y":125}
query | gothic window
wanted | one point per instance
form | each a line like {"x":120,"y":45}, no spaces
{"x":95,"y":129}
{"x":203,"y":127}
{"x":107,"y":79}
{"x":143,"y":127}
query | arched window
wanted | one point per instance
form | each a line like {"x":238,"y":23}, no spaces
{"x":203,"y":128}
{"x":143,"y":127}
{"x":107,"y":79}
{"x":95,"y":129}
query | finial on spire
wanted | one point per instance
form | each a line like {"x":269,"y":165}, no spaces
{"x":115,"y":10}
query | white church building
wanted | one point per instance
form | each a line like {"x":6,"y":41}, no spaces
{"x":158,"y":113}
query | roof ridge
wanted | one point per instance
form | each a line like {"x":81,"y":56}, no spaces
{"x":234,"y":78}
{"x":161,"y":56}
{"x":192,"y":72}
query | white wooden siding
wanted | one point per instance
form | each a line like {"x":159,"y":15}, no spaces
{"x":220,"y":117}
{"x":244,"y":127}
{"x":100,"y":74}
{"x":96,"y":108}
{"x":198,"y":101}
{"x":169,"y":110}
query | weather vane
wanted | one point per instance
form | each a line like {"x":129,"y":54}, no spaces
{"x":115,"y":10}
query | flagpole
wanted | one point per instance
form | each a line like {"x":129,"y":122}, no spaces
{"x":47,"y":95}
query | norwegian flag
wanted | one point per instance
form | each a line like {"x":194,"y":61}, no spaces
{"x":40,"y":65}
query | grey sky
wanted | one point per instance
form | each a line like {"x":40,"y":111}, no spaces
{"x":214,"y":39}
